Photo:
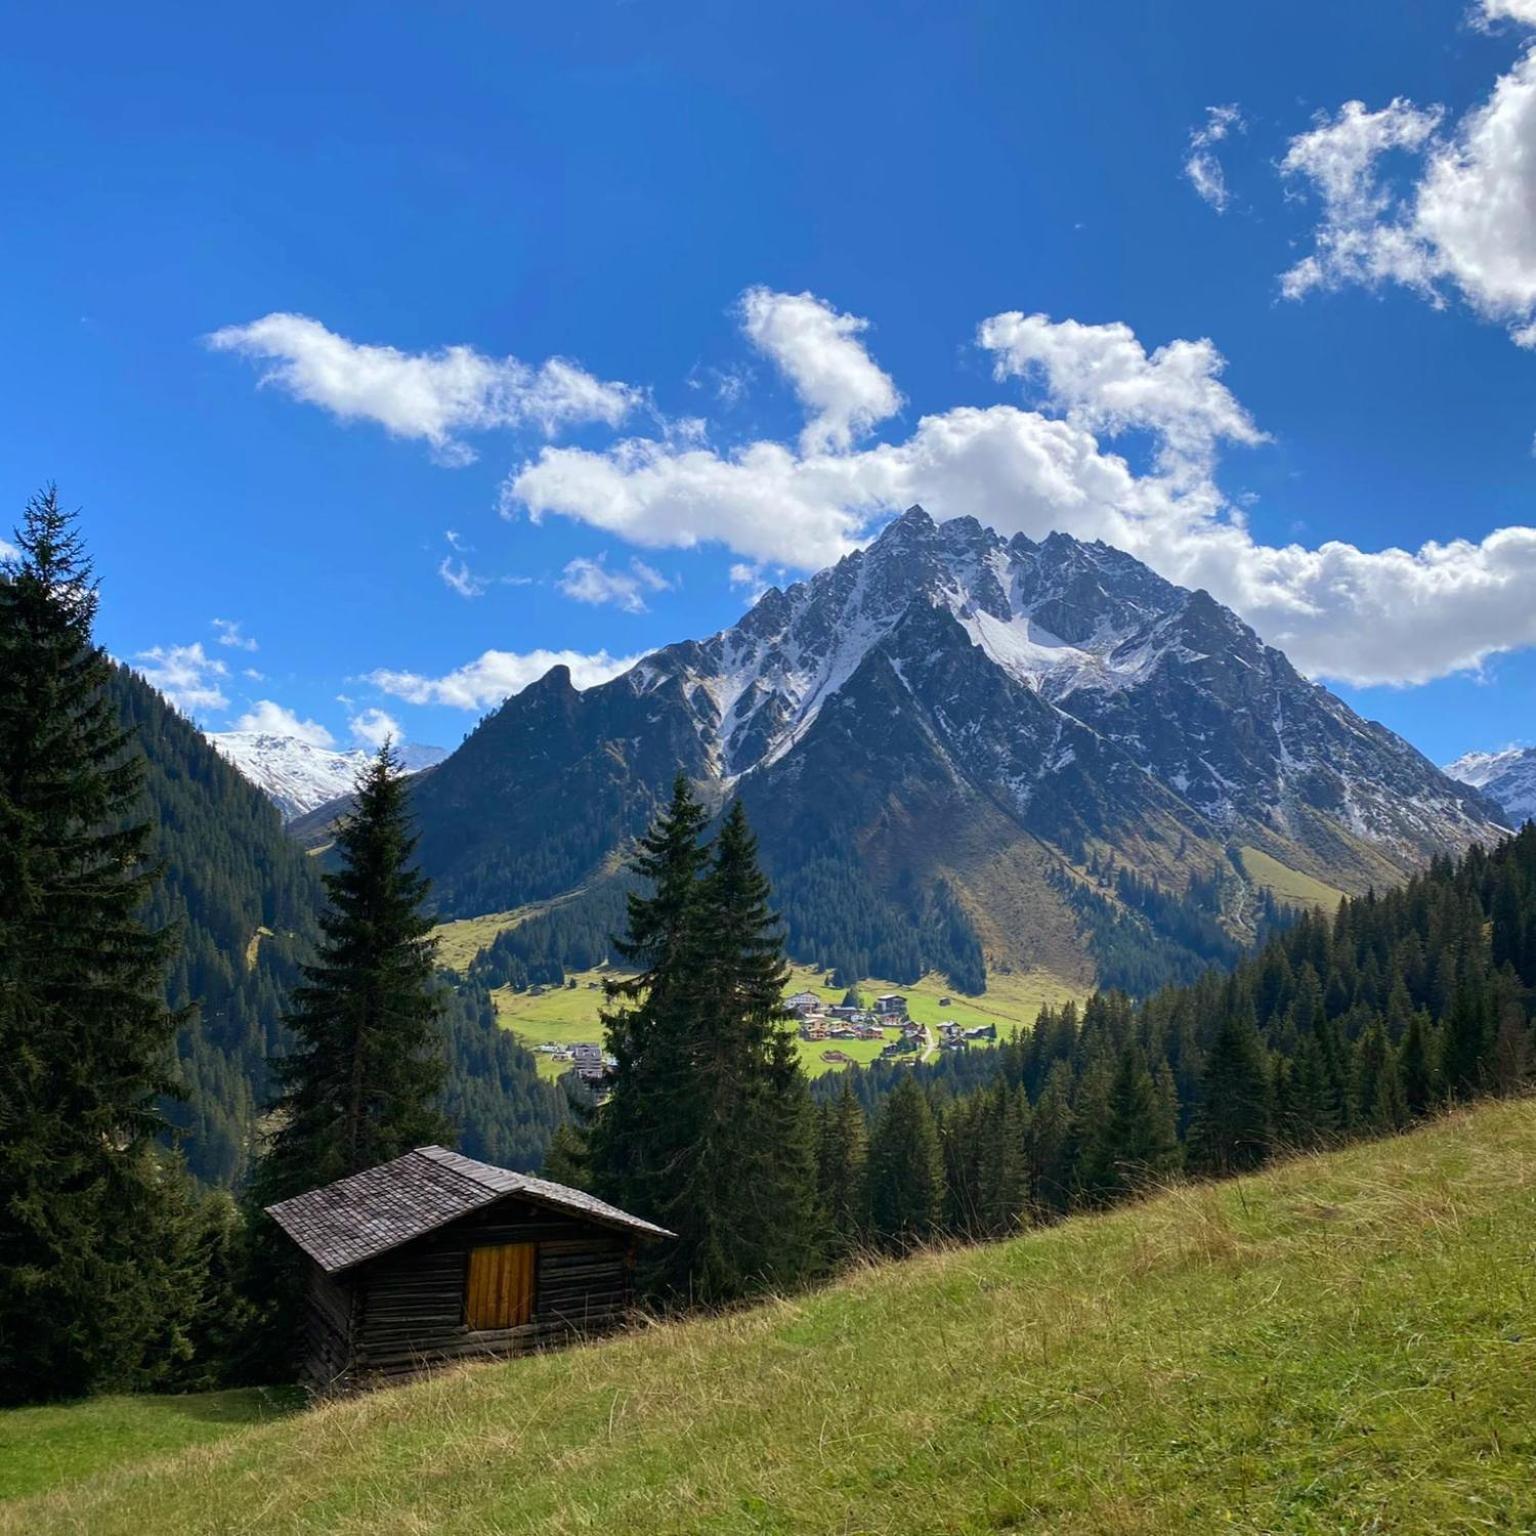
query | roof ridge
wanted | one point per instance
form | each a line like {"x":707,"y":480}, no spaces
{"x":450,"y":1162}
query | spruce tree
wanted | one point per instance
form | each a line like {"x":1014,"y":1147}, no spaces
{"x":1233,"y":1129}
{"x":1418,"y":1063}
{"x":362,"y":1083}
{"x":761,"y":1133}
{"x":1135,"y":1142}
{"x":905,"y":1172}
{"x":842,"y":1147}
{"x":643,"y":1140}
{"x":89,"y":1271}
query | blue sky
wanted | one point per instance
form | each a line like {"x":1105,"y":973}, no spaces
{"x":794,"y":265}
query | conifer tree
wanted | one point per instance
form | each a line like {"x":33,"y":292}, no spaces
{"x":1232,"y":1129}
{"x":762,"y":1129}
{"x":1135,"y":1142}
{"x":89,"y":1273}
{"x":1418,"y":1063}
{"x":905,"y":1171}
{"x":363,"y":1081}
{"x":643,"y":1134}
{"x":842,"y":1147}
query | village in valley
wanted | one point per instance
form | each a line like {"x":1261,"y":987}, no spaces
{"x":836,"y":1028}
{"x":885,"y":1019}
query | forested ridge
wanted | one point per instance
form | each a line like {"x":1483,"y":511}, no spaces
{"x":242,"y":900}
{"x":1345,"y":1025}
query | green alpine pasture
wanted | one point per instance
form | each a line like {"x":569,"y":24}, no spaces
{"x":1344,"y":1343}
{"x":569,"y":1015}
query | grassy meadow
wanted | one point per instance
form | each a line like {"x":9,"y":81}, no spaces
{"x":1286,"y":884}
{"x":568,"y":1016}
{"x":1345,"y":1343}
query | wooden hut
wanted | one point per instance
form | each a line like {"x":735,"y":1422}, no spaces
{"x":435,"y":1257}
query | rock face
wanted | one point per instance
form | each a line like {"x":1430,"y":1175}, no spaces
{"x":1508,"y":778}
{"x":948,"y":711}
{"x":296,"y":775}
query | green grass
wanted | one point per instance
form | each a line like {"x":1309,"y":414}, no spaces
{"x":567,"y":1016}
{"x":1344,"y":1344}
{"x":42,"y":1449}
{"x":1287,"y":884}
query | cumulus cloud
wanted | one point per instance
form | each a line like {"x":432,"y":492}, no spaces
{"x":1202,"y":167}
{"x":1461,"y":221}
{"x":432,"y":396}
{"x":818,"y":351}
{"x":1391,"y":616}
{"x":228,"y":632}
{"x":495,"y":675}
{"x":591,"y":581}
{"x":185,"y":674}
{"x":272,"y":719}
{"x":1103,"y":379}
{"x":373,"y":727}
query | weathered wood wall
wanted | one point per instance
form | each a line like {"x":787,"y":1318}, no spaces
{"x":407,"y":1307}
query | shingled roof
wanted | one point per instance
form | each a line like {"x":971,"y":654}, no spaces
{"x":357,"y":1218}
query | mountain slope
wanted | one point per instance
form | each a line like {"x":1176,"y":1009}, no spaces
{"x":1343,"y":1343}
{"x":244,"y":898}
{"x":1508,"y":778}
{"x":954,"y":743}
{"x":296,"y":775}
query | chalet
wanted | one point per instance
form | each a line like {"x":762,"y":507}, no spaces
{"x":803,"y":1002}
{"x":587,"y":1055}
{"x":891,"y":1002}
{"x":436,"y":1257}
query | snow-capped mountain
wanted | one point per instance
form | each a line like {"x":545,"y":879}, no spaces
{"x":949,"y":721}
{"x":298,"y":776}
{"x":1508,"y":778}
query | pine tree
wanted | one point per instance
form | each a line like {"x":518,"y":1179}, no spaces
{"x":1376,"y":1089}
{"x":1135,"y":1142}
{"x":905,"y":1171}
{"x":1232,"y":1130}
{"x":363,"y":1081}
{"x":644,"y":1130}
{"x":842,"y":1148}
{"x":1418,"y":1064}
{"x":761,"y":1143}
{"x":87,"y":1206}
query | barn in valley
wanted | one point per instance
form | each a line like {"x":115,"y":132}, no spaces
{"x":436,"y":1256}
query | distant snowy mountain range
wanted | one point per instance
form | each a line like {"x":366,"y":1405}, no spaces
{"x":299,"y":776}
{"x":1508,"y":778}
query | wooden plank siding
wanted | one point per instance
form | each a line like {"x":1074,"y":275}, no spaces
{"x":417,"y":1305}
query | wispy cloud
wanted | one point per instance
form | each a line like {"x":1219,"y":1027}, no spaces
{"x":228,"y":632}
{"x":495,"y":675}
{"x":591,"y":581}
{"x":185,"y":674}
{"x":432,"y":396}
{"x":1202,"y":166}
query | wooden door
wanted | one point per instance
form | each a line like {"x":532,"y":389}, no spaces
{"x":499,"y":1290}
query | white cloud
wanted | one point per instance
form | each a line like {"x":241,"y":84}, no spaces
{"x":818,"y":351}
{"x":1463,"y":221}
{"x":1103,"y":379}
{"x":590,"y":581}
{"x":1392,"y":616}
{"x":185,"y":674}
{"x":227,"y":632}
{"x":431,"y":396}
{"x":9,"y":551}
{"x":457,"y":575}
{"x":495,"y":675}
{"x":373,"y":727}
{"x":1202,"y":167}
{"x":1523,"y":11}
{"x":272,"y":719}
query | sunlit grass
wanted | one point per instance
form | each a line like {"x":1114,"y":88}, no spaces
{"x":1344,"y":1344}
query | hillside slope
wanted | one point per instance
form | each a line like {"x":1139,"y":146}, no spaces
{"x":1347,"y":1342}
